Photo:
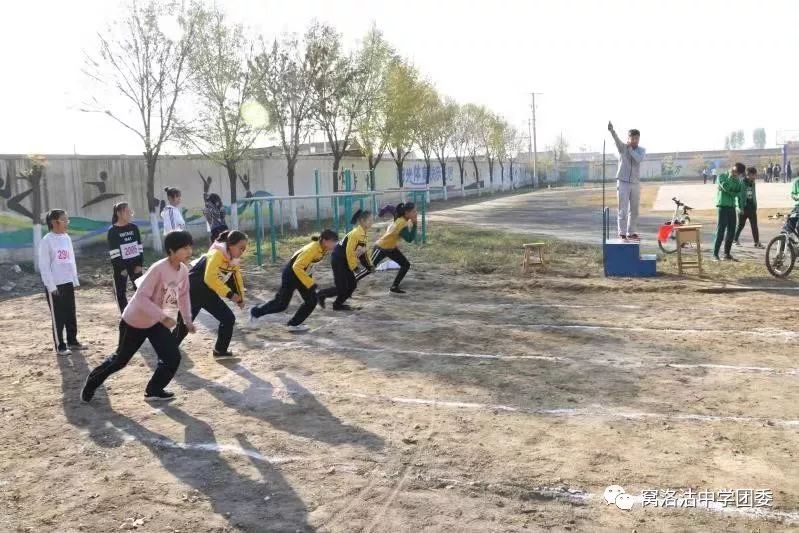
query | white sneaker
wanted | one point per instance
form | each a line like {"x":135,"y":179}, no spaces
{"x":299,"y":329}
{"x":63,"y":350}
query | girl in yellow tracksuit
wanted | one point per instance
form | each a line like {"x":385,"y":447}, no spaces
{"x":404,"y":226}
{"x":346,"y":256}
{"x":296,"y":277}
{"x":215,"y":276}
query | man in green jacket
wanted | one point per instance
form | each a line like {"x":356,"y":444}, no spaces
{"x":747,"y":207}
{"x":729,"y":186}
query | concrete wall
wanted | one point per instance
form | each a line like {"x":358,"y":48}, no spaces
{"x":88,"y":186}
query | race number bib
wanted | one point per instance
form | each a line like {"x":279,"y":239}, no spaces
{"x":129,"y":250}
{"x":62,"y":256}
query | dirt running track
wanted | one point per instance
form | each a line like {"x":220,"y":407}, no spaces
{"x":475,"y":404}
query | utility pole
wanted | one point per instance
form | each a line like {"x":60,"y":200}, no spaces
{"x":535,"y":144}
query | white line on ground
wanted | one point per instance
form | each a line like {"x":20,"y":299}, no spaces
{"x":593,"y":327}
{"x":206,"y":447}
{"x":330,"y":344}
{"x":596,"y":410}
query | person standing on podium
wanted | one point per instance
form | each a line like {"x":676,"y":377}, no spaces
{"x":628,"y":186}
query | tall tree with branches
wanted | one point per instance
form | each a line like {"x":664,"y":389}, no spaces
{"x":498,"y":144}
{"x":424,"y":125}
{"x":473,"y":117}
{"x":339,"y":97}
{"x":514,"y":144}
{"x":227,"y":121}
{"x":283,"y":77}
{"x":142,"y":71}
{"x":459,"y":138}
{"x":444,"y":127}
{"x":402,"y":104}
{"x":373,"y":58}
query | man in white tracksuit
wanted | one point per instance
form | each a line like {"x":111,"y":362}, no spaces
{"x":628,"y":185}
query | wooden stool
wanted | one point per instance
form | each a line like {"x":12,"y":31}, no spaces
{"x":533,"y":256}
{"x":688,"y":234}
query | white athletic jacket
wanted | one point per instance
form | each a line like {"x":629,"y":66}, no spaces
{"x":173,"y":220}
{"x":57,"y":261}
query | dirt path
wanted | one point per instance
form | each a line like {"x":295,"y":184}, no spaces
{"x":576,"y":215}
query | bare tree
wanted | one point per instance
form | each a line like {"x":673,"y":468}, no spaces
{"x":445,"y":117}
{"x":498,"y":145}
{"x":473,"y":119}
{"x":339,"y":95}
{"x":227,"y":121}
{"x":514,"y":144}
{"x":283,"y":75}
{"x":146,"y":70}
{"x":459,"y":139}
{"x":424,"y":124}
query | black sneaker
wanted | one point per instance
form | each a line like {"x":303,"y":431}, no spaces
{"x":728,"y":257}
{"x":221,"y":356}
{"x":342,"y":307}
{"x":758,"y":245}
{"x":737,"y":243}
{"x":157,"y":396}
{"x":87,"y":393}
{"x":396,"y":290}
{"x":322,"y":302}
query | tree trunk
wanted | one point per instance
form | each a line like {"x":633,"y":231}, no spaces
{"x":400,"y":164}
{"x":461,"y":165}
{"x":476,"y":171}
{"x":502,"y":174}
{"x":427,"y":164}
{"x":443,"y":174}
{"x":336,"y":164}
{"x":234,"y":208}
{"x":152,"y":202}
{"x":291,"y":163}
{"x":491,"y":171}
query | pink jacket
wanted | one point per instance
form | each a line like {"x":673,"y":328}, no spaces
{"x":161,"y":285}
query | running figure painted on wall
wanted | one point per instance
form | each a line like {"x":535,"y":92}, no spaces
{"x":102,"y":187}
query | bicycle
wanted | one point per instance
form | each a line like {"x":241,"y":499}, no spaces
{"x":667,"y":237}
{"x":786,"y":246}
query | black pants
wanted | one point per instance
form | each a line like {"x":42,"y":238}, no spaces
{"x":288,"y":284}
{"x":62,"y":314}
{"x":725,"y":230}
{"x":204,"y":298}
{"x":379,"y":254}
{"x":343,"y":277}
{"x":749,"y":213}
{"x":121,"y":277}
{"x":130,"y":340}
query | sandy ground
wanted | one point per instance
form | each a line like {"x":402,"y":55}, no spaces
{"x":477,"y":403}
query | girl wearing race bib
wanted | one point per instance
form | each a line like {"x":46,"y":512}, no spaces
{"x":215,"y":276}
{"x":296,"y":277}
{"x":346,"y":257}
{"x":166,"y":284}
{"x":126,"y":251}
{"x":173,"y":220}
{"x":404,"y":226}
{"x":60,"y":277}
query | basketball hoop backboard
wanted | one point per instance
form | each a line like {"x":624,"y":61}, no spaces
{"x":787,"y":137}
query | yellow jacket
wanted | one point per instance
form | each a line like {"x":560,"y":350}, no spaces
{"x":354,"y":240}
{"x":220,"y":269}
{"x":400,"y":227}
{"x":304,"y":259}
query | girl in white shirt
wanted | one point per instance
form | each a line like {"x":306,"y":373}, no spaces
{"x":60,"y":277}
{"x":173,"y":220}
